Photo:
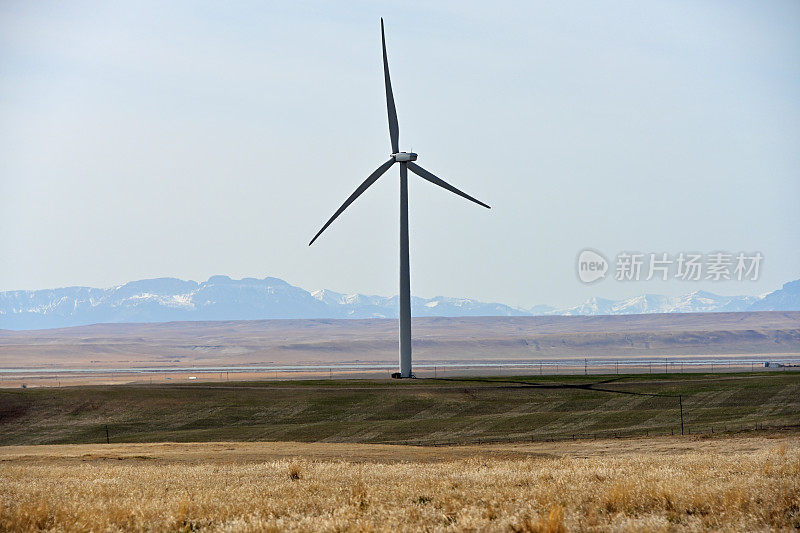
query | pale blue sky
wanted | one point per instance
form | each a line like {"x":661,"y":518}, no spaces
{"x":144,"y":139}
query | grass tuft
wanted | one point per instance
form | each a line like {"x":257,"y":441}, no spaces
{"x":295,"y":471}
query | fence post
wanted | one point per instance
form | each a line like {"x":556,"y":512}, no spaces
{"x":108,"y":440}
{"x":680,"y":401}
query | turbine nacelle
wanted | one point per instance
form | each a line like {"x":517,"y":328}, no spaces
{"x":404,"y":157}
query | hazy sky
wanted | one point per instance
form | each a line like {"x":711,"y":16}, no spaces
{"x":190,"y":139}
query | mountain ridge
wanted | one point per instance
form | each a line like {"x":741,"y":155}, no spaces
{"x":223,"y":298}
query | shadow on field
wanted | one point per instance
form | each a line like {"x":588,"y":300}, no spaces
{"x":554,"y":386}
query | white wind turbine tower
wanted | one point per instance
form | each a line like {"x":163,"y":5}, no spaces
{"x":406,"y":160}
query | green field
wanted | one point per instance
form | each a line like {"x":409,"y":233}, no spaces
{"x":424,"y":411}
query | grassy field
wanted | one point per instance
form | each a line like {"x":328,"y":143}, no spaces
{"x":403,"y":412}
{"x":643,"y":484}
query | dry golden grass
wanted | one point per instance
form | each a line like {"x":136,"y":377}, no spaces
{"x":721,"y":484}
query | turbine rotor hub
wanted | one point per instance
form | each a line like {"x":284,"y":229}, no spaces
{"x":403,"y":157}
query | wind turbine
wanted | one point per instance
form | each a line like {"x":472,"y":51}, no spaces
{"x":406,"y":160}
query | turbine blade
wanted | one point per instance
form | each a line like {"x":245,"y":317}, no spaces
{"x":361,"y":188}
{"x":394,"y":129}
{"x":424,"y":174}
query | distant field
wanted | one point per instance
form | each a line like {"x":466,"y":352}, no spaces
{"x":760,"y":334}
{"x":655,"y":484}
{"x":403,"y":412}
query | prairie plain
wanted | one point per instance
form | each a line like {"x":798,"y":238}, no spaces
{"x":328,"y":341}
{"x":662,"y":451}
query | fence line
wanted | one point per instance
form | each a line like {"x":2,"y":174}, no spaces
{"x":701,"y":431}
{"x":15,"y":378}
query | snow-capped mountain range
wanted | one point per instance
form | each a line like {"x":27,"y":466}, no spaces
{"x":694,"y":302}
{"x":223,"y":298}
